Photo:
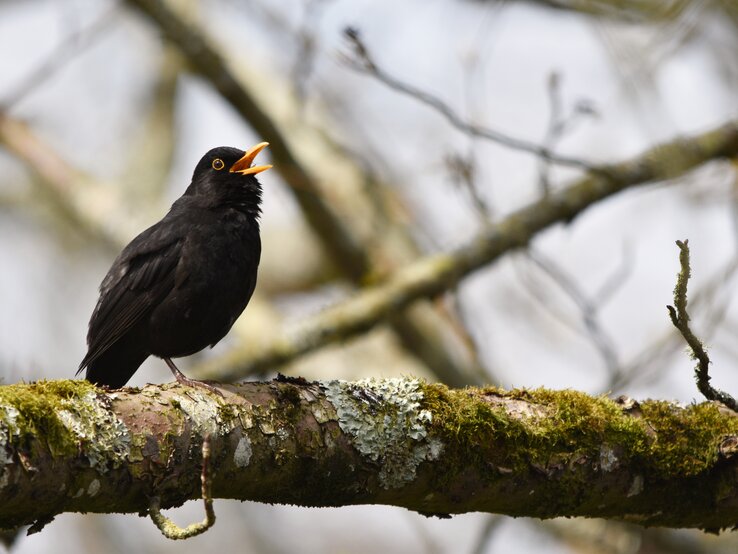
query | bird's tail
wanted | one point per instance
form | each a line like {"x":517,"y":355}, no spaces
{"x":114,"y":367}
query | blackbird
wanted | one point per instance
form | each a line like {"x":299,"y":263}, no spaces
{"x":179,"y":285}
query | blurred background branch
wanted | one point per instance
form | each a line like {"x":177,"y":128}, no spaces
{"x":431,"y":276}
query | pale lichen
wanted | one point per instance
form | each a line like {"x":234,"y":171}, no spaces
{"x":386,"y":424}
{"x":106,"y":438}
{"x":636,"y":487}
{"x":204,"y":412}
{"x":9,"y":415}
{"x":94,"y":487}
{"x":242,"y":454}
{"x":608,"y":458}
{"x":320,"y":414}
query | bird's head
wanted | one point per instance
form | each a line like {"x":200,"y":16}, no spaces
{"x":226,"y":176}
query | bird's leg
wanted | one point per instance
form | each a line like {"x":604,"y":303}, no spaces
{"x":184,"y":380}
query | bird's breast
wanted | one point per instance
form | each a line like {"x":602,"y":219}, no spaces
{"x":215,"y":278}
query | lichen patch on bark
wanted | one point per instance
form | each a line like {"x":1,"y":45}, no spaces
{"x":242,"y":454}
{"x":205,"y":411}
{"x":66,"y":413}
{"x":385,"y":421}
{"x":90,"y":421}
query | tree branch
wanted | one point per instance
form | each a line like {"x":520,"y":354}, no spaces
{"x":680,"y":318}
{"x":435,"y":274}
{"x":66,"y":446}
{"x":84,"y":202}
{"x":364,"y":62}
{"x":63,"y":53}
{"x":634,"y":11}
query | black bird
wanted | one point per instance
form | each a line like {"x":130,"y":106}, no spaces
{"x":179,"y":285}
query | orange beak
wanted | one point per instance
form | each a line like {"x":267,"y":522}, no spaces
{"x":243,"y":166}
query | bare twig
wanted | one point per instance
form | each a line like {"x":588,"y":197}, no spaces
{"x":363,"y":61}
{"x":485,"y":535}
{"x":633,"y":11}
{"x":464,"y":168}
{"x":63,"y":53}
{"x":89,"y":205}
{"x":307,"y":47}
{"x":652,"y":359}
{"x":559,"y":125}
{"x":173,"y":531}
{"x":588,"y":308}
{"x":464,"y":171}
{"x":680,"y":319}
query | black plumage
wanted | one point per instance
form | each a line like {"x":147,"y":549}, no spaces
{"x":180,"y":285}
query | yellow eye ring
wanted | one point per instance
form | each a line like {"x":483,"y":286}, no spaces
{"x":218,"y":164}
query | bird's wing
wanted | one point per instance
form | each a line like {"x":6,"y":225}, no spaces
{"x":141,"y":276}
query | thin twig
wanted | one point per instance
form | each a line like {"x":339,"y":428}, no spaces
{"x":653,"y":358}
{"x":588,"y":308}
{"x":83,"y":201}
{"x":680,"y":319}
{"x":307,"y":39}
{"x":630,"y":12}
{"x":173,"y":531}
{"x":362,"y":61}
{"x":464,"y":171}
{"x":616,"y":279}
{"x":64,"y":52}
{"x":491,"y":524}
{"x":559,"y":125}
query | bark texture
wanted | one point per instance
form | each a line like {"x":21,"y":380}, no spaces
{"x":66,"y":446}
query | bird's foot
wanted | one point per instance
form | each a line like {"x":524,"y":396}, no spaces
{"x":195,"y":383}
{"x":184,"y":380}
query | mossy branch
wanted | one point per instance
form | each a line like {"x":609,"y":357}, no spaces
{"x":66,"y":446}
{"x":680,"y":318}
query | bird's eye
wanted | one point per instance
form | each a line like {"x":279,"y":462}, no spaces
{"x":218,"y":164}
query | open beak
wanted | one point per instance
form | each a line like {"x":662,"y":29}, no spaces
{"x":243,"y":166}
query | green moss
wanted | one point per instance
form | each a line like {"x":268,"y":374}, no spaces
{"x":33,"y":410}
{"x":477,"y":428}
{"x":688,"y":438}
{"x":289,"y":400}
{"x":227,"y":413}
{"x":551,"y":427}
{"x":70,"y":417}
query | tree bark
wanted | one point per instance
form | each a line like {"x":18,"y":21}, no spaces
{"x":66,"y":446}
